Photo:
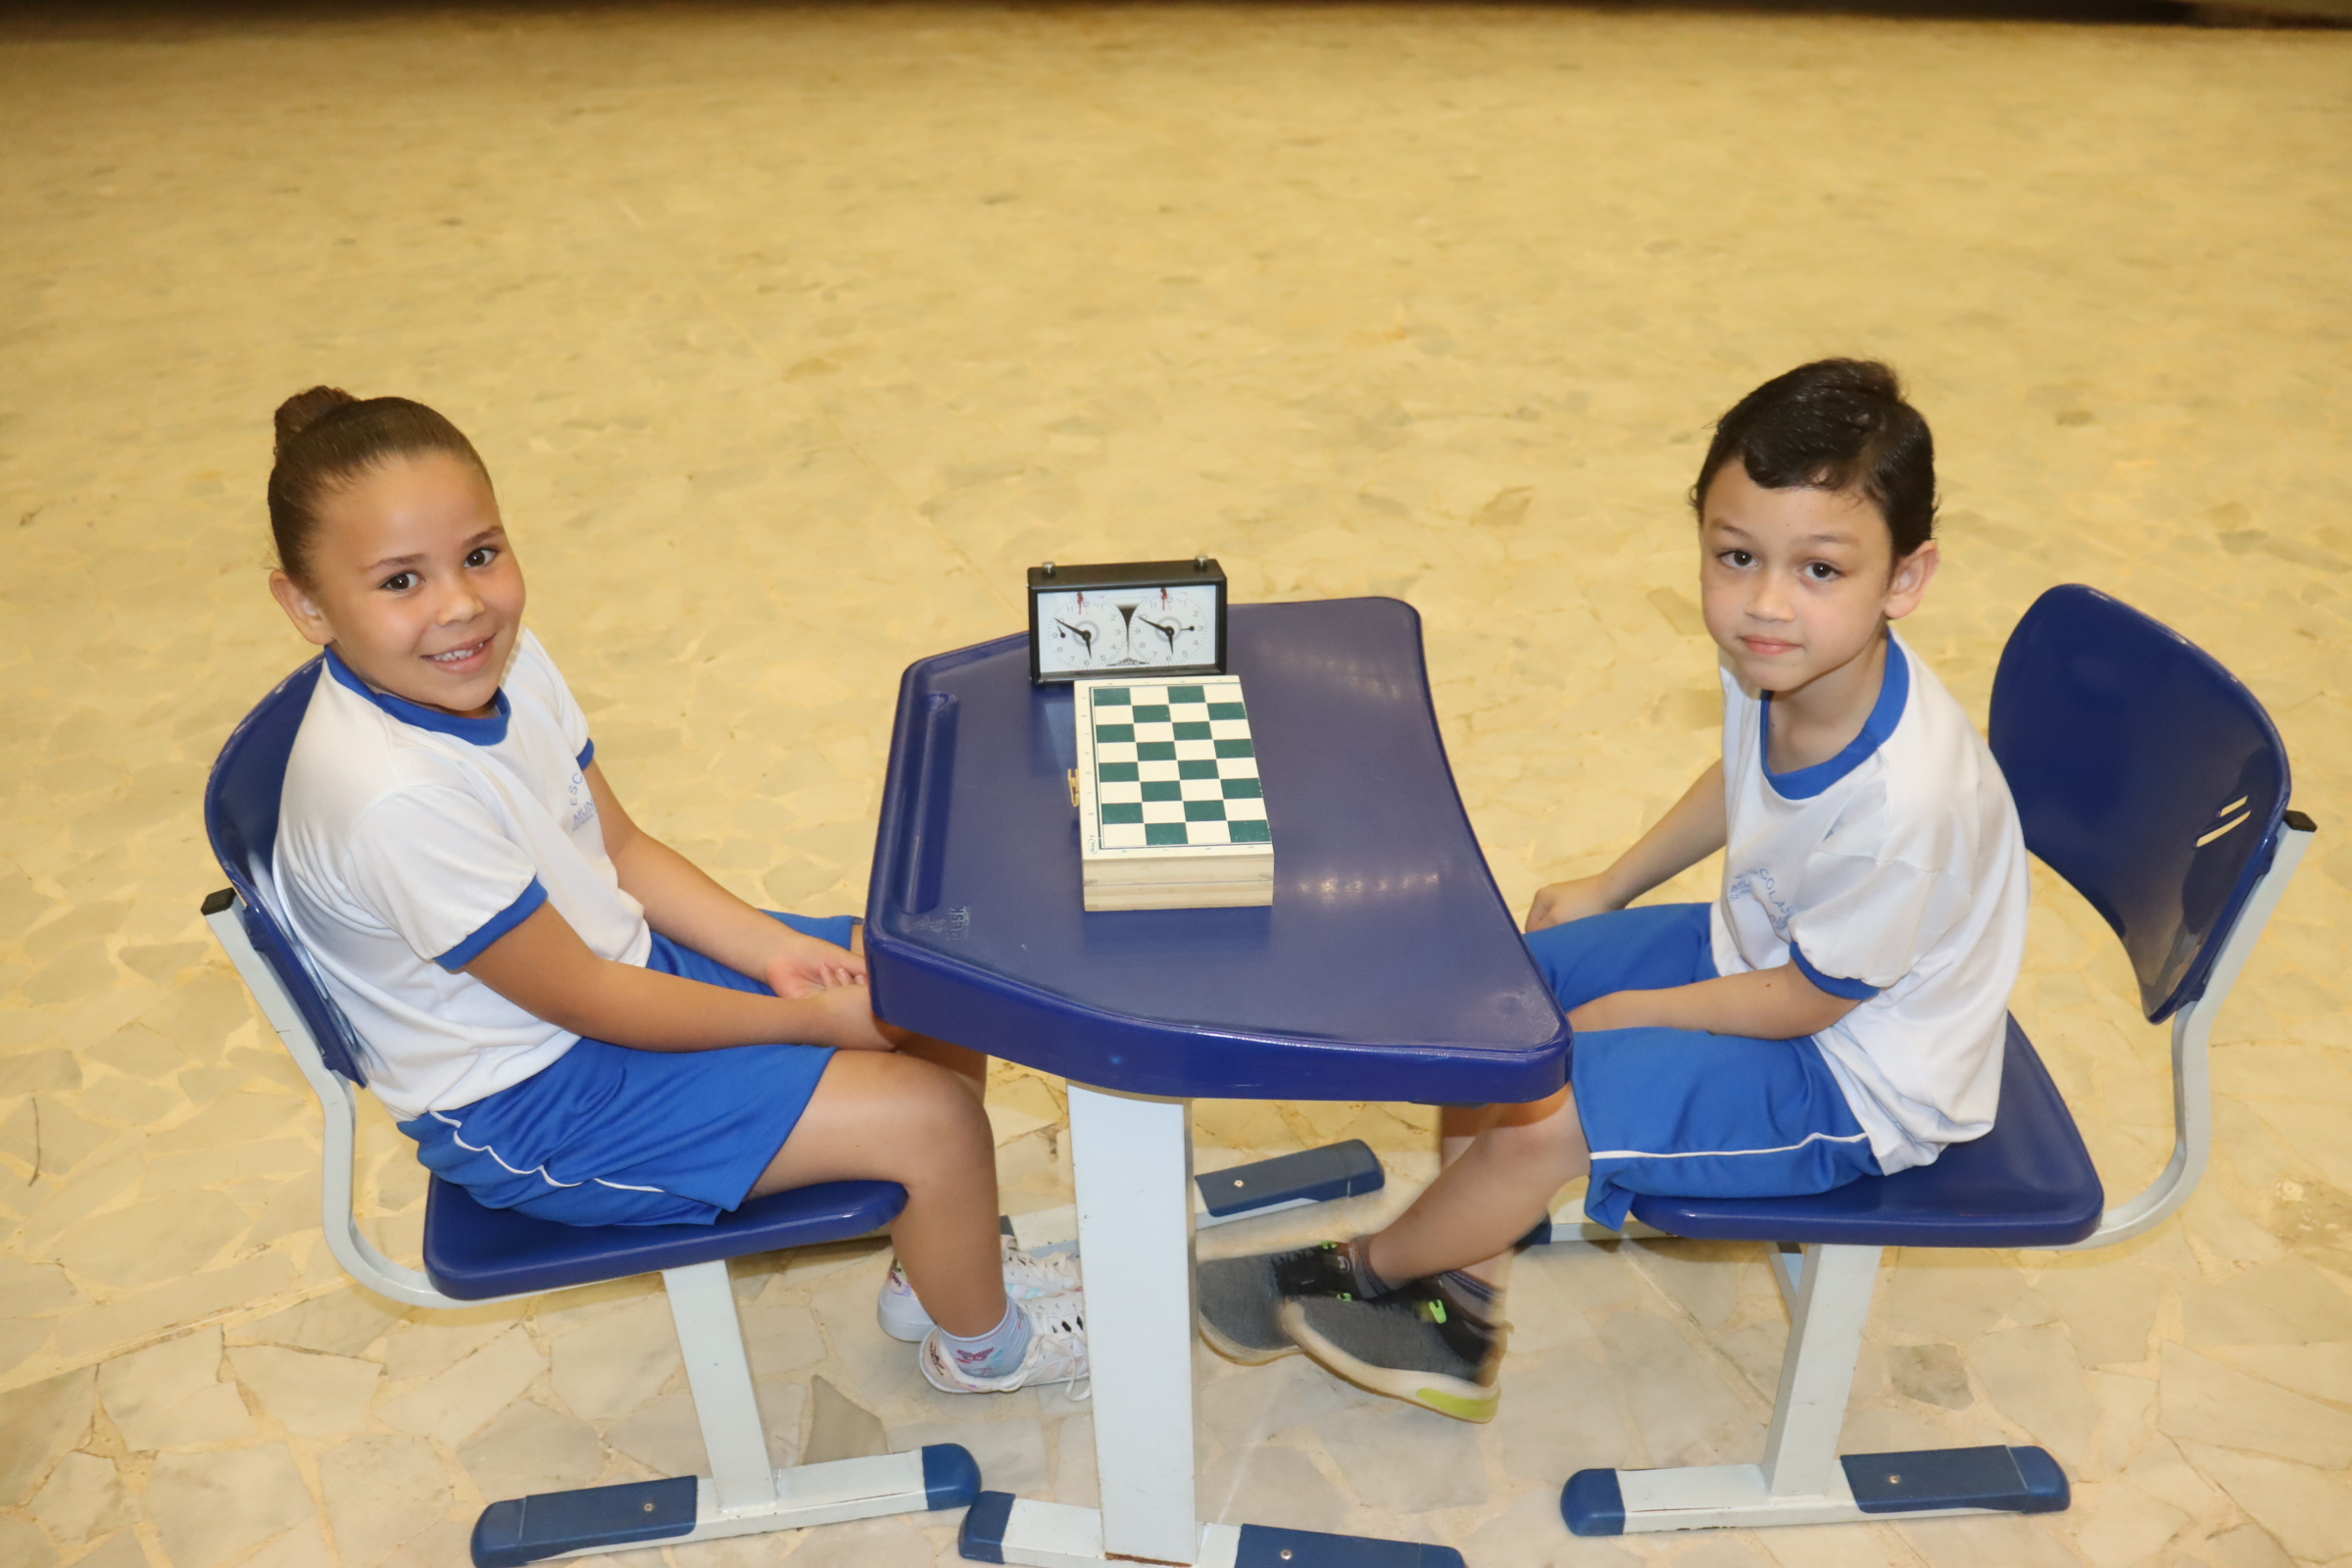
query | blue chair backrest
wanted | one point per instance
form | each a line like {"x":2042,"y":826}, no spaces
{"x":240,"y":815}
{"x":2145,"y":775}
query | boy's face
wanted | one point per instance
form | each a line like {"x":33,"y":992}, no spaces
{"x":413,"y":583}
{"x":1796,"y":584}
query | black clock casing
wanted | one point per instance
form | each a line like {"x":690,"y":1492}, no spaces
{"x":1126,"y":585}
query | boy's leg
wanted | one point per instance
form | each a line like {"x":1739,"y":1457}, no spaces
{"x":1627,"y":950}
{"x":1682,"y":1112}
{"x":1458,"y":1128}
{"x":1487,"y":1196}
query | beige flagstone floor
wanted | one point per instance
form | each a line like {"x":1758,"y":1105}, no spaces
{"x":793,"y":334}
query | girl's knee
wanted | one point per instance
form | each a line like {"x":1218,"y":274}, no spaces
{"x":941,"y":1108}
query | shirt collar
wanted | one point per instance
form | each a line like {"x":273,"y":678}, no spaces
{"x":476,"y":731}
{"x":1803,"y":783}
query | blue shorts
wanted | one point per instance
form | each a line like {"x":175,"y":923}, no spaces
{"x":609,"y":1135}
{"x":1678,"y":1112}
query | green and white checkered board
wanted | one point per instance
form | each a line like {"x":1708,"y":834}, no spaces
{"x":1175,"y":766}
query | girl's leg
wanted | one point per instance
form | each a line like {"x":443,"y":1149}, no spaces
{"x":969,"y":1067}
{"x":1490,"y":1194}
{"x":897,"y":1118}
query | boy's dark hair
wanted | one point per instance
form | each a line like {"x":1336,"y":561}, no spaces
{"x":1835,"y":424}
{"x":325,"y":439}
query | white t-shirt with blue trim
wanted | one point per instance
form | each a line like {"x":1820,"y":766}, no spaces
{"x":1894,"y":873}
{"x":409,"y":840}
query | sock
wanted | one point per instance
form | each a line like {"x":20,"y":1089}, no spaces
{"x":1358,"y":1256}
{"x":996,"y":1353}
{"x":1468,"y":1293}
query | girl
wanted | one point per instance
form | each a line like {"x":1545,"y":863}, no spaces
{"x":566,"y":1015}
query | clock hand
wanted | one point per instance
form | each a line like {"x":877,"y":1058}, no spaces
{"x":1079,"y":632}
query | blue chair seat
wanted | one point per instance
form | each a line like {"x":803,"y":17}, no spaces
{"x":2028,"y":1183}
{"x":474,"y":1253}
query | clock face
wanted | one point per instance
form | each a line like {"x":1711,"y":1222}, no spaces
{"x":1127,"y":629}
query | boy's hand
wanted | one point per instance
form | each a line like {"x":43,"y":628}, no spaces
{"x":1563,"y":902}
{"x":802,"y":966}
{"x":1619,"y":1009}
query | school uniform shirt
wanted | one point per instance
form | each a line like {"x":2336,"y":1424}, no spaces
{"x":409,"y":840}
{"x":1893,"y":874}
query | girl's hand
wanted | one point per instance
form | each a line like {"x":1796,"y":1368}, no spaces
{"x":802,"y":966}
{"x":846,"y":1020}
{"x":1563,"y":902}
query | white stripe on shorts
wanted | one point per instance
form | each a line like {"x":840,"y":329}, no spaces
{"x":540,"y":1171}
{"x":455,"y":1127}
{"x":1727,"y":1153}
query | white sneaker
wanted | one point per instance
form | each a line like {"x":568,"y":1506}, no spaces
{"x":1056,"y":1353}
{"x":1027,"y":1278}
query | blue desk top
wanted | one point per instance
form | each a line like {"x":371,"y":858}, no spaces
{"x":1387,"y":968}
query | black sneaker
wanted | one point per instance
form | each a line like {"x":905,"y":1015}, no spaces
{"x":1239,"y":1298}
{"x":1411,"y":1345}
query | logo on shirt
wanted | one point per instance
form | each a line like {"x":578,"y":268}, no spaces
{"x":1757,"y":884}
{"x":581,"y":802}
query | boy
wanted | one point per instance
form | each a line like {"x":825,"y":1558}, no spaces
{"x":1836,"y":1012}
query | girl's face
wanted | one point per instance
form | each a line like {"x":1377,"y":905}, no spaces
{"x":1794,"y":585}
{"x":413,"y":583}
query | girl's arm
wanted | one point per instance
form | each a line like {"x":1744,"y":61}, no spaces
{"x":1763,"y":1005}
{"x":1691,"y":830}
{"x":543,"y":967}
{"x":685,"y":905}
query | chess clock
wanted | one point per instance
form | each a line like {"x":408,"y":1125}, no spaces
{"x":1133,"y":617}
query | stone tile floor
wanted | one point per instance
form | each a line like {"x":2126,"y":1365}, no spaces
{"x":791,"y":334}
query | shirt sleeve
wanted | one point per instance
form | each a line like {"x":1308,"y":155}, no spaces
{"x":434,"y":866}
{"x":1863,"y":923}
{"x":533,"y":666}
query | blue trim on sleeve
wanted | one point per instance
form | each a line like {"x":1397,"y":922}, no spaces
{"x":587,"y":753}
{"x":1803,"y":783}
{"x":498,"y":925}
{"x":1849,"y":990}
{"x":478,"y":731}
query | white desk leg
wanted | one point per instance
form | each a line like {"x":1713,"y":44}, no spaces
{"x":1133,"y":1159}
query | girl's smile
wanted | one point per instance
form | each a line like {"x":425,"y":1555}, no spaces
{"x":413,"y":583}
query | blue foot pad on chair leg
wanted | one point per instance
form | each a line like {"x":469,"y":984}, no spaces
{"x":525,"y":1530}
{"x":951,"y":1475}
{"x":1593,"y":1504}
{"x":1001,"y":1527}
{"x":1289,"y":1181}
{"x":981,"y":1537}
{"x":2011,"y":1480}
{"x":1987,"y":1480}
{"x":1263,"y":1546}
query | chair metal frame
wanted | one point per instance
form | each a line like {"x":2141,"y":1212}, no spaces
{"x":1801,"y":1478}
{"x":743,"y":1493}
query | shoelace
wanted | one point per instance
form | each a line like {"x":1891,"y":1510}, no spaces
{"x":1055,"y":1275}
{"x":1061,"y":1331}
{"x":1025,"y":1273}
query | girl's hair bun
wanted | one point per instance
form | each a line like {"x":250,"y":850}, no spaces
{"x":304,"y":409}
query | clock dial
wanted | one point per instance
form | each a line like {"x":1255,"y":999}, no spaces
{"x":1127,"y":629}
